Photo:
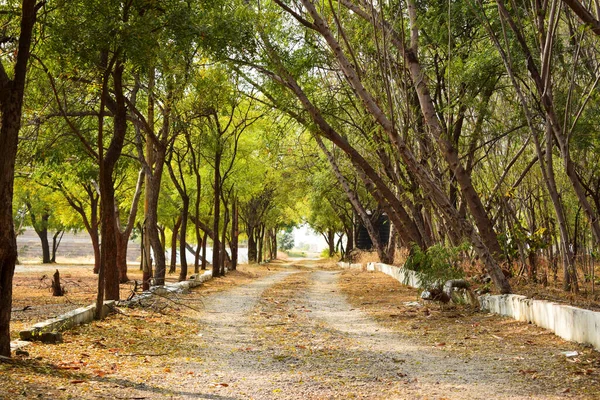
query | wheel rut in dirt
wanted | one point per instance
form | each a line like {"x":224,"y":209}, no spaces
{"x":294,"y":335}
{"x":425,"y":371}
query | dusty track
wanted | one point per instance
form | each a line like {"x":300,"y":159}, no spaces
{"x":293,"y":335}
{"x":299,"y":332}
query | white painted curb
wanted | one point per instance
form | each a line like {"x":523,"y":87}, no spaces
{"x":65,"y":321}
{"x":85,"y":315}
{"x":570,"y":323}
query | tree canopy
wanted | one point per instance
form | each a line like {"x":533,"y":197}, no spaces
{"x":470,"y":125}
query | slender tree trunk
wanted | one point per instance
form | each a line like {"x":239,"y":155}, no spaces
{"x":198,"y":251}
{"x":56,"y":239}
{"x":147,"y":261}
{"x":41,"y":229}
{"x":224,"y":255}
{"x":204,"y":239}
{"x":234,"y":234}
{"x":152,"y":220}
{"x":252,"y":250}
{"x":216,"y":268}
{"x":43,"y":235}
{"x":182,"y":239}
{"x":349,"y":241}
{"x":176,"y":226}
{"x":261,"y":236}
{"x":11,"y":102}
{"x":109,"y":270}
{"x":331,"y":242}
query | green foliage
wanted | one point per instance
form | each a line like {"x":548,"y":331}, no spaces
{"x":325,"y":254}
{"x":436,"y":265}
{"x":285,"y":239}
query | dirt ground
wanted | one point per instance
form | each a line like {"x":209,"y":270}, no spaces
{"x":291,"y":331}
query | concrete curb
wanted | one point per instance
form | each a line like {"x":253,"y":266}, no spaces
{"x":570,"y":323}
{"x":65,"y":321}
{"x":49,"y":329}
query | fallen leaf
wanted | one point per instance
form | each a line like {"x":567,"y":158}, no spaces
{"x":527,"y":371}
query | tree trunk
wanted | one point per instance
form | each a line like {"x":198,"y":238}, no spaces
{"x":331,"y":242}
{"x":216,"y":268}
{"x":252,"y":250}
{"x":11,"y":102}
{"x":152,"y":221}
{"x":197,"y":251}
{"x":109,"y":270}
{"x":224,"y":255}
{"x":349,"y":241}
{"x":176,"y":226}
{"x":95,"y":237}
{"x":182,"y":239}
{"x":261,"y":237}
{"x":234,"y":234}
{"x":204,"y":239}
{"x":122,"y":244}
{"x":55,"y":243}
{"x":41,"y":229}
{"x":43,"y":235}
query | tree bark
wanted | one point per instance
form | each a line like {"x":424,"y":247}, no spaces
{"x":183,"y":271}
{"x":234,"y":233}
{"x":204,"y":240}
{"x":11,"y":103}
{"x":252,"y":250}
{"x":176,"y":226}
{"x":41,"y":229}
{"x":216,"y":267}
{"x":109,"y":270}
{"x":56,"y":239}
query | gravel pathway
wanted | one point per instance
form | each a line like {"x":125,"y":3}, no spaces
{"x":292,"y":335}
{"x":428,"y":372}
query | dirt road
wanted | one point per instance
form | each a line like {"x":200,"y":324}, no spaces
{"x":302,"y":332}
{"x":293,"y":335}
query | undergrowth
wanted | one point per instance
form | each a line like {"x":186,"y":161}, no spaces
{"x":436,"y":265}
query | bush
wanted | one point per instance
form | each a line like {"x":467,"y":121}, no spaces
{"x":436,"y":265}
{"x":325,"y":254}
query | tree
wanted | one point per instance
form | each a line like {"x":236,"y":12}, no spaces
{"x":285,"y":238}
{"x":12,"y":91}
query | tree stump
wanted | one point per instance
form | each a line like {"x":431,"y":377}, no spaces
{"x":57,"y":289}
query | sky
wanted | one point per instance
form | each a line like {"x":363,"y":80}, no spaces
{"x":305,"y":235}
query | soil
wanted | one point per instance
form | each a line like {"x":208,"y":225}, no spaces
{"x":302,"y":331}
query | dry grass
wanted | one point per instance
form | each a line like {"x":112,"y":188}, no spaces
{"x":464,"y":332}
{"x":120,"y":357}
{"x":32,"y":294}
{"x":552,"y":289}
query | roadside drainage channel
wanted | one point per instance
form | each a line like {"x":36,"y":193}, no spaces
{"x":49,"y":331}
{"x":568,"y":322}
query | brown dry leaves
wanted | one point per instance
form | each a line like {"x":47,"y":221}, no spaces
{"x":528,"y":351}
{"x":128,"y":355}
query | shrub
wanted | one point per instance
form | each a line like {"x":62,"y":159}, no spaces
{"x":436,"y":265}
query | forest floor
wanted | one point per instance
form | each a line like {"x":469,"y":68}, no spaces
{"x":295,"y":330}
